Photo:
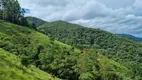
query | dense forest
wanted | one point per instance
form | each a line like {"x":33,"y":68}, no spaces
{"x":33,"y":49}
{"x":118,"y":48}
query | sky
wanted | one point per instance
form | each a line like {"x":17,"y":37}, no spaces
{"x":116,"y":16}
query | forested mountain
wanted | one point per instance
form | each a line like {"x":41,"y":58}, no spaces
{"x":83,"y":37}
{"x":123,"y":50}
{"x":33,"y":49}
{"x":130,"y":37}
{"x":56,"y":58}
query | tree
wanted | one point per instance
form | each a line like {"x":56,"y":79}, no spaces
{"x":10,"y":10}
{"x":33,"y":26}
{"x":1,"y":9}
{"x":0,"y":14}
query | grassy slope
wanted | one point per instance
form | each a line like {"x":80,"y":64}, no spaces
{"x":12,"y":69}
{"x":9,"y":30}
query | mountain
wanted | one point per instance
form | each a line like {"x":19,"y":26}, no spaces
{"x":24,"y":48}
{"x":83,"y":37}
{"x":120,"y":49}
{"x":36,"y":21}
{"x":130,"y":37}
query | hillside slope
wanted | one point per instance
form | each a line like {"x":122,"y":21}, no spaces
{"x":83,"y":37}
{"x":12,"y":69}
{"x":123,"y":50}
{"x":56,"y":58}
{"x":34,"y":48}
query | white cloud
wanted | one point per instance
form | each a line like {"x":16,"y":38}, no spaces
{"x":138,"y":4}
{"x":103,"y":14}
{"x":117,"y":3}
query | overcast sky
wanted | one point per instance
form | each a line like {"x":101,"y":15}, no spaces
{"x":117,"y":16}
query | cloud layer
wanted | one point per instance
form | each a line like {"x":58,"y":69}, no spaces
{"x":113,"y":16}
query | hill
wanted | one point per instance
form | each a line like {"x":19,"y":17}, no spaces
{"x":54,"y":57}
{"x":123,"y":50}
{"x":34,"y":48}
{"x":83,"y":37}
{"x":130,"y":37}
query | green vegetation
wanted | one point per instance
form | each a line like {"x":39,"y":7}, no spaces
{"x":83,"y":37}
{"x":10,"y":10}
{"x":33,"y":47}
{"x":12,"y":69}
{"x":119,"y":49}
{"x":130,"y":37}
{"x":35,"y":21}
{"x":56,"y":58}
{"x":71,"y":52}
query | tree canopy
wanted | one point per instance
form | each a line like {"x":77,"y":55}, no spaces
{"x":11,"y":11}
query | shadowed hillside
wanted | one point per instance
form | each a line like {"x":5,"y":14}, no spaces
{"x":36,"y":21}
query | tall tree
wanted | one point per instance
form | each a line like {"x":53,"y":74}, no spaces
{"x":10,"y":10}
{"x":1,"y":9}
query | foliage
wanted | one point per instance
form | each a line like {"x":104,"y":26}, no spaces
{"x":36,"y":21}
{"x":36,"y":49}
{"x":114,"y":47}
{"x":12,"y":69}
{"x":10,"y":10}
{"x":130,"y":37}
{"x":59,"y":59}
